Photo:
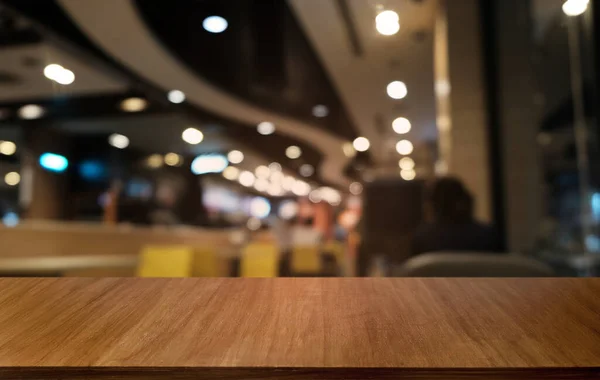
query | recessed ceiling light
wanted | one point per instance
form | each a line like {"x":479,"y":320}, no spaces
{"x":210,"y":163}
{"x":155,"y":161}
{"x":301,"y":188}
{"x":262,"y":171}
{"x":235,"y":157}
{"x":575,"y":7}
{"x":406,"y":163}
{"x":8,"y":148}
{"x":173,"y":159}
{"x":118,"y":141}
{"x":192,"y":136}
{"x":361,"y":144}
{"x":408,"y":175}
{"x":261,"y":185}
{"x":176,"y":96}
{"x":401,"y":125}
{"x":293,"y":152}
{"x":387,"y":23}
{"x":397,"y":90}
{"x":12,"y":178}
{"x":59,"y":74}
{"x":404,"y":147}
{"x":275,"y":167}
{"x":266,"y":128}
{"x":134,"y":104}
{"x":246,"y":179}
{"x":215,"y":24}
{"x":31,"y":112}
{"x":320,"y":110}
{"x":231,"y":173}
{"x":307,"y":170}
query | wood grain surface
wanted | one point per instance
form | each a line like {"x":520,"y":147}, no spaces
{"x":299,"y":328}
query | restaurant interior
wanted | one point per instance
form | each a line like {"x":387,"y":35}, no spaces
{"x":299,"y":138}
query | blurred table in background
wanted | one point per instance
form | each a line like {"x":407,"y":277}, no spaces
{"x":299,"y":328}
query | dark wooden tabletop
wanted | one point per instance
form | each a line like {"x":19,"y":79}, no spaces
{"x":299,"y":328}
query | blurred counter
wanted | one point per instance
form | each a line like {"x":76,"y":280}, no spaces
{"x":80,"y":249}
{"x":299,"y":328}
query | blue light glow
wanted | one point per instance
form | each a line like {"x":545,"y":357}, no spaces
{"x":211,"y":163}
{"x":92,"y":170}
{"x":54,"y":162}
{"x":10,"y":219}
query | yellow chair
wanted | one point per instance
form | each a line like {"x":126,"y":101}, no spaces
{"x":206,"y":262}
{"x":166,"y":261}
{"x":260,"y":260}
{"x":337,"y":249}
{"x":306,"y":260}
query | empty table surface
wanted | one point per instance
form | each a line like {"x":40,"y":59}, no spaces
{"x":299,"y":328}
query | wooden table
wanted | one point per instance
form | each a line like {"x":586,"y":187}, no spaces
{"x":299,"y":328}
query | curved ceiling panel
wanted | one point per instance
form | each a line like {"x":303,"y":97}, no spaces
{"x":116,"y":26}
{"x":262,"y":56}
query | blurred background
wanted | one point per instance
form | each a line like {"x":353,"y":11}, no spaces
{"x":299,"y":138}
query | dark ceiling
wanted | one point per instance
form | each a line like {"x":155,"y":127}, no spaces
{"x":263,"y":57}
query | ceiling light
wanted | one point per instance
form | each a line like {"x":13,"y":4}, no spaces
{"x":173,"y":159}
{"x":261,"y":185}
{"x":315,"y":196}
{"x":307,"y":170}
{"x":12,"y":178}
{"x":301,"y":188}
{"x":356,"y":188}
{"x":235,"y":157}
{"x":275,"y":190}
{"x":575,"y":7}
{"x":231,"y":173}
{"x":407,"y":163}
{"x":262,"y":171}
{"x":59,"y":74}
{"x":210,"y":163}
{"x":293,"y":152}
{"x":260,"y":207}
{"x":288,"y":210}
{"x":401,"y":125}
{"x":7,"y":148}
{"x":246,"y":179}
{"x":31,"y":111}
{"x":288,"y":183}
{"x":320,"y":110}
{"x":275,"y":167}
{"x":397,"y":90}
{"x":404,"y":147}
{"x":155,"y":161}
{"x":408,"y":175}
{"x":361,"y":144}
{"x":134,"y":104}
{"x":176,"y":96}
{"x":277,"y":177}
{"x":266,"y":128}
{"x":54,"y":162}
{"x":348,"y":149}
{"x":387,"y":23}
{"x":118,"y":141}
{"x":192,"y":136}
{"x":214,"y":24}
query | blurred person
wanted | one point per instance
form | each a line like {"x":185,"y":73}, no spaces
{"x":452,"y":226}
{"x":282,"y":233}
